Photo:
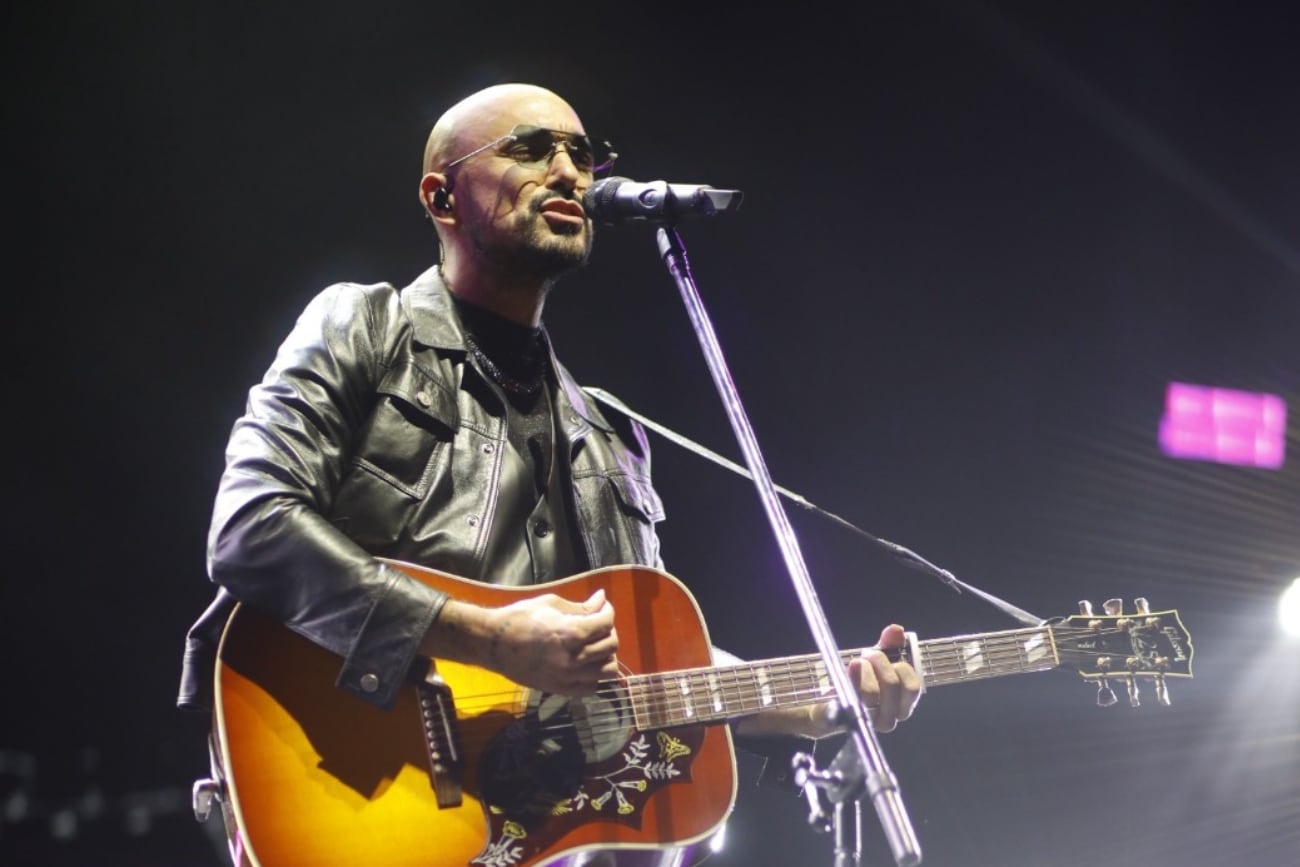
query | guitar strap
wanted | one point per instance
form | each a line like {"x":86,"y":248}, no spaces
{"x":906,"y":556}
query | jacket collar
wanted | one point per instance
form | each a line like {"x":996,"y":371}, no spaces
{"x":435,"y":324}
{"x":433,"y":316}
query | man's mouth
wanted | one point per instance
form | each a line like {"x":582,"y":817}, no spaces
{"x":566,"y":212}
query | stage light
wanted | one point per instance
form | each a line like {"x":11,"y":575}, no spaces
{"x":1288,"y":609}
{"x":719,"y":840}
{"x":1224,"y":426}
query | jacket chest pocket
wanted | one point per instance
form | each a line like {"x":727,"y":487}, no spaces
{"x":619,"y":511}
{"x":408,"y":432}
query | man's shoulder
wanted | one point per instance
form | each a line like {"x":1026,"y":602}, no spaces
{"x":347,"y":301}
{"x":426,"y":291}
{"x":422,"y":306}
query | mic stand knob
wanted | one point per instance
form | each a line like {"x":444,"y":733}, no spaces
{"x":813,"y":784}
{"x":833,"y":800}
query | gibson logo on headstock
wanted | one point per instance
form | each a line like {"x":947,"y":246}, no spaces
{"x":1175,"y":639}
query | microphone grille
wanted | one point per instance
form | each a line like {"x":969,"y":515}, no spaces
{"x":600,"y":194}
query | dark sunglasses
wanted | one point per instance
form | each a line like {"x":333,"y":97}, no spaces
{"x":533,"y":146}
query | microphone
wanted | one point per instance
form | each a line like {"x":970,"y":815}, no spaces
{"x":622,"y":200}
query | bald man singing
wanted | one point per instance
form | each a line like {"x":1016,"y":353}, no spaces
{"x":434,"y":425}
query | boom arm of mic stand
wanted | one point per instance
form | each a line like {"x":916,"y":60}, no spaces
{"x":878,"y":779}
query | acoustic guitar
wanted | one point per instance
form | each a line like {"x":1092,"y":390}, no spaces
{"x":469,"y":769}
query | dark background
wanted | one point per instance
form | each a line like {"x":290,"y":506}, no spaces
{"x":978,"y":241}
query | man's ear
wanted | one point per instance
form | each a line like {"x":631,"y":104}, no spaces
{"x":435,"y":195}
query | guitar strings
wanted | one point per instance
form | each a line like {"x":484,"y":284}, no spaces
{"x":802,"y":684}
{"x":740,"y":684}
{"x":801,"y":681}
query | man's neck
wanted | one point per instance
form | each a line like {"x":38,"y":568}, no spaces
{"x":512,"y":296}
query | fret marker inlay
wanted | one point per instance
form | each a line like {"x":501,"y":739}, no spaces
{"x":764,"y":686}
{"x":1035,"y":648}
{"x":715,"y":691}
{"x":684,"y":687}
{"x":972,"y":657}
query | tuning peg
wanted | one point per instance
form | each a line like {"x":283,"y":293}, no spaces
{"x":1162,"y":690}
{"x":1141,"y":605}
{"x":1114,"y":607}
{"x":1105,"y":695}
{"x":1085,"y":607}
{"x":1134,"y":696}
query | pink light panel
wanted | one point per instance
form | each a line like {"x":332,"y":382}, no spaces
{"x":1223,"y":425}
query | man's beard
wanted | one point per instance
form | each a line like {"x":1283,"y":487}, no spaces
{"x":533,"y":247}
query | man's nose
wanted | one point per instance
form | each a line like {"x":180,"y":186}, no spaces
{"x":561,"y":171}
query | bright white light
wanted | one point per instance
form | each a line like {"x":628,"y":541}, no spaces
{"x":1288,"y":609}
{"x":719,"y":839}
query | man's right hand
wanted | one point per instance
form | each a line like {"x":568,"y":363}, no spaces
{"x":543,"y":642}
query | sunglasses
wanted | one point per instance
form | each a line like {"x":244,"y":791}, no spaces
{"x":533,"y":147}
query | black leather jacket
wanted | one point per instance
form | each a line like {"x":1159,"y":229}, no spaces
{"x":372,"y":435}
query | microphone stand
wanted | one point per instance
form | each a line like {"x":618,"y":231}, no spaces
{"x":861,"y":766}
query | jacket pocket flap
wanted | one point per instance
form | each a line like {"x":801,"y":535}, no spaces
{"x":422,"y":394}
{"x":637,"y":494}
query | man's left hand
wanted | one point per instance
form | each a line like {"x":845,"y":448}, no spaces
{"x":889,"y":690}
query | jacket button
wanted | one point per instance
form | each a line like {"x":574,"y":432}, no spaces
{"x":472,"y":520}
{"x":488,"y":448}
{"x":369,"y":682}
{"x":542,"y":528}
{"x":422,"y":398}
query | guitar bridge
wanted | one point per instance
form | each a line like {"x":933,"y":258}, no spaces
{"x":441,"y":738}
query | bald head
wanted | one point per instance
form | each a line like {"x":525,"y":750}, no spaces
{"x":508,"y":226}
{"x":491,"y":113}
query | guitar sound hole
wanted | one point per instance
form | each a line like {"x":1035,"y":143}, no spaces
{"x":539,"y":760}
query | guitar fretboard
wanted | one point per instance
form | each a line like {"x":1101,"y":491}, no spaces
{"x":705,"y":695}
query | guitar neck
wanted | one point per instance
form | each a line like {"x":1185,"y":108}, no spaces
{"x":726,"y":692}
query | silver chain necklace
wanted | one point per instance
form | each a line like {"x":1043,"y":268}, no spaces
{"x":500,"y":377}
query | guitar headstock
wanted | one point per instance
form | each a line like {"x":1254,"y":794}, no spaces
{"x":1143,"y":646}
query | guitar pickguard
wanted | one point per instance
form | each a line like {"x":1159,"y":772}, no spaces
{"x":569,"y":762}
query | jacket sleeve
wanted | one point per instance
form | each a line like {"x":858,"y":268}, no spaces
{"x":271,"y":544}
{"x":766,"y":760}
